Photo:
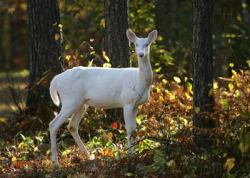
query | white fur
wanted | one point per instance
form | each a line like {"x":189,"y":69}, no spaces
{"x":102,"y":88}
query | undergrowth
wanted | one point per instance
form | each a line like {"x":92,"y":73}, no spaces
{"x":164,"y":146}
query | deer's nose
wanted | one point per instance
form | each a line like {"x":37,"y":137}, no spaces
{"x":141,"y":54}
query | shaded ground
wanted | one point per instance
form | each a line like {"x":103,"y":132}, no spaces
{"x":12,"y":94}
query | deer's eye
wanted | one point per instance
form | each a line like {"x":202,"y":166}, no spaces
{"x":136,"y":44}
{"x":147,"y":44}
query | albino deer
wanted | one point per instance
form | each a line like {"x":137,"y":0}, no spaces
{"x":80,"y":87}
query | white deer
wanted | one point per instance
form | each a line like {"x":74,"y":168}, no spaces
{"x":98,"y":87}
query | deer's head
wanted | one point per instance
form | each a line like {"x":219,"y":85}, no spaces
{"x":142,"y":45}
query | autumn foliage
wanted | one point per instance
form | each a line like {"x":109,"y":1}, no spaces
{"x":164,"y":144}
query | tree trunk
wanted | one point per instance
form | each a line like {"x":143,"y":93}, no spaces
{"x":2,"y":56}
{"x":116,"y":23}
{"x":115,"y":42}
{"x":44,"y":53}
{"x":18,"y":37}
{"x":202,"y":69}
{"x":166,"y":20}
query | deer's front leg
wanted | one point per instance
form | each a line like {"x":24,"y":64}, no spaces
{"x":130,"y":113}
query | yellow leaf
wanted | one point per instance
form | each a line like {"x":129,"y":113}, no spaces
{"x":248,"y":63}
{"x":177,"y":79}
{"x":36,"y":149}
{"x":158,"y":69}
{"x":230,"y":86}
{"x":68,"y":57}
{"x":231,"y":65}
{"x":237,"y":93}
{"x":164,"y":81}
{"x":161,"y":98}
{"x":215,"y":85}
{"x":13,"y":159}
{"x":60,"y":25}
{"x":22,"y":145}
{"x":187,"y":96}
{"x":66,"y":152}
{"x":229,"y":164}
{"x":129,"y":174}
{"x":106,"y":65}
{"x":57,"y":37}
{"x":234,"y":72}
{"x":105,"y":56}
{"x":2,"y":120}
{"x":90,"y":63}
{"x":189,"y":86}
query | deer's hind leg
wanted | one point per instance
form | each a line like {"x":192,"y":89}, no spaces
{"x":73,"y":128}
{"x":54,"y":125}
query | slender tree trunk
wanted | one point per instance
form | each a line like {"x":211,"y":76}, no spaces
{"x":166,"y":20}
{"x":2,"y":56}
{"x":115,"y":42}
{"x":44,"y":53}
{"x":116,"y":23}
{"x":202,"y":69}
{"x":18,"y":37}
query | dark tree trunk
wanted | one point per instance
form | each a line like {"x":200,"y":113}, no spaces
{"x":18,"y":37}
{"x":116,"y":23}
{"x":2,"y":56}
{"x":166,"y":20}
{"x":44,"y":53}
{"x":202,"y":69}
{"x":115,"y":42}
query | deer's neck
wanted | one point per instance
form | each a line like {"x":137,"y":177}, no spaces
{"x":145,"y":72}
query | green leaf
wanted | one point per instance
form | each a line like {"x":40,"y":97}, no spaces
{"x":171,"y":164}
{"x":224,"y":103}
{"x":189,"y":86}
{"x":234,"y":72}
{"x":129,"y":174}
{"x":244,"y":145}
{"x":197,"y":110}
{"x":157,"y":70}
{"x":139,"y":119}
{"x":248,"y":63}
{"x":230,"y":86}
{"x":231,"y":65}
{"x":159,"y":157}
{"x":66,"y":152}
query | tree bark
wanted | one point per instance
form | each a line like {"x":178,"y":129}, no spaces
{"x":2,"y":56}
{"x":202,"y":69}
{"x":166,"y":20}
{"x":44,"y":53}
{"x":116,"y":24}
{"x":116,"y":42}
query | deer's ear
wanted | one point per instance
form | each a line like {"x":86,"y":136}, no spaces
{"x":152,"y":36}
{"x":131,"y":36}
